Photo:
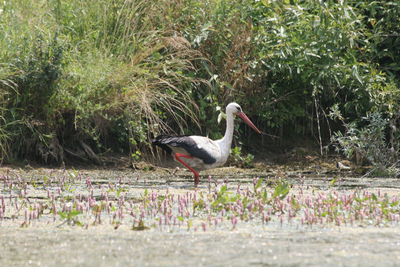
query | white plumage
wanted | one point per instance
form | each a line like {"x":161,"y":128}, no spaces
{"x":199,"y":152}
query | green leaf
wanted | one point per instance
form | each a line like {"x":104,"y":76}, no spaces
{"x":281,"y":190}
{"x":223,"y":189}
{"x":356,"y":74}
{"x":259,"y":183}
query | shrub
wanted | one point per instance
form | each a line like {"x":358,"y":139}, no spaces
{"x":367,"y":141}
{"x":80,"y":78}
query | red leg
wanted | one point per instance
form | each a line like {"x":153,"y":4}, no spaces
{"x":196,"y":174}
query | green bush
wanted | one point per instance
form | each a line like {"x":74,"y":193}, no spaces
{"x":80,"y":78}
{"x":239,"y":159}
{"x":368,"y":143}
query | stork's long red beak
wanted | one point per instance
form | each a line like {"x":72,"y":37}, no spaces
{"x":248,"y":121}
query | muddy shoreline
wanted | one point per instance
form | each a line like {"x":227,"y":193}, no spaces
{"x":49,"y":242}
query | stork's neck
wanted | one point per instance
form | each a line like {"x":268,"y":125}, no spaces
{"x":226,"y":141}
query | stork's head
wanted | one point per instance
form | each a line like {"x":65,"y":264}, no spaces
{"x":235,"y":109}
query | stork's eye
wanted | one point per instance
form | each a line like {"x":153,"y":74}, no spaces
{"x":239,"y":109}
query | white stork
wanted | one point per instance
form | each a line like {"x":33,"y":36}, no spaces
{"x":198,"y":152}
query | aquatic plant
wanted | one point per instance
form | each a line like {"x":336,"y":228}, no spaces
{"x":70,"y":198}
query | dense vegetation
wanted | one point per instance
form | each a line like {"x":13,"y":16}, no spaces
{"x":79,"y":78}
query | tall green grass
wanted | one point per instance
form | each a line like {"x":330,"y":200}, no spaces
{"x":97,"y":72}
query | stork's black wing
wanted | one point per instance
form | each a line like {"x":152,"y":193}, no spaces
{"x":188,"y":144}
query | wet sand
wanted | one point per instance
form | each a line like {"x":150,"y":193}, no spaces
{"x":103,"y":246}
{"x":51,"y":243}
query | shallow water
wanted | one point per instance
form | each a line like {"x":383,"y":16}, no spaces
{"x":48,"y":241}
